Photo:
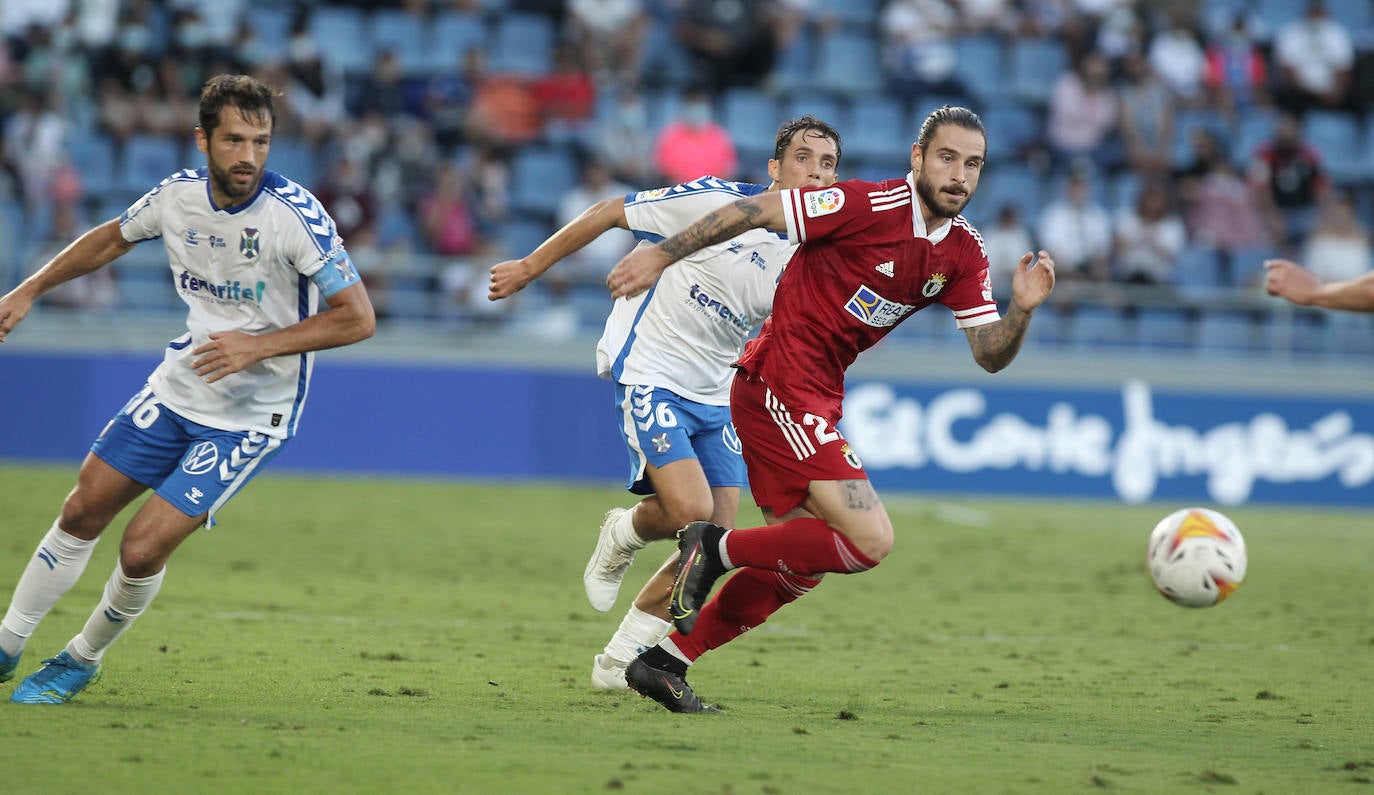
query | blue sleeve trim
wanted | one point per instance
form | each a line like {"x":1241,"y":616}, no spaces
{"x":336,"y":274}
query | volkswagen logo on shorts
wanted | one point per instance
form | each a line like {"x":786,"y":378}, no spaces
{"x":201,"y":459}
{"x":731,"y":438}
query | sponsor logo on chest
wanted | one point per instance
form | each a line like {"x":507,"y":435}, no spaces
{"x":874,"y":310}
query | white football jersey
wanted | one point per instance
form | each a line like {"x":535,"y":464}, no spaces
{"x":246,"y":269}
{"x":683,"y":333}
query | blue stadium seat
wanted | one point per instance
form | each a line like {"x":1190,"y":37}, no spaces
{"x":93,"y":155}
{"x":453,"y":34}
{"x":405,"y":34}
{"x":850,"y":65}
{"x":793,"y":69}
{"x":1033,"y":67}
{"x":1011,"y":128}
{"x":1340,"y":140}
{"x":522,"y":43}
{"x":1253,"y":127}
{"x":1277,"y":13}
{"x":1097,"y":327}
{"x":146,"y":160}
{"x":978,"y":67}
{"x":751,"y":118}
{"x":859,"y":16}
{"x":295,"y":160}
{"x":341,"y":34}
{"x":877,"y":131}
{"x":1162,"y":328}
{"x":827,"y":109}
{"x":1350,"y":335}
{"x":665,"y":62}
{"x":1197,"y":273}
{"x":1007,"y":182}
{"x":1187,"y":121}
{"x":1226,"y":331}
{"x":519,"y":236}
{"x":539,"y":176}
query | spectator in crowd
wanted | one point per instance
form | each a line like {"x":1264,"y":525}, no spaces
{"x":917,"y":51}
{"x":1338,"y":248}
{"x":1078,"y":230}
{"x":1149,"y":238}
{"x":35,"y":137}
{"x":1224,"y":211}
{"x":1237,"y":76}
{"x":447,"y":96}
{"x":731,"y":42}
{"x":95,"y":290}
{"x":1147,"y":119}
{"x":313,"y":92}
{"x":1005,"y":241}
{"x":1083,"y":115}
{"x":694,"y":144}
{"x":1290,"y":178}
{"x":609,"y":35}
{"x":998,"y":17}
{"x":566,"y":97}
{"x":590,"y":263}
{"x":382,"y":90}
{"x":504,"y":111}
{"x":448,"y":221}
{"x":1314,"y":56}
{"x":624,"y":142}
{"x":347,"y":191}
{"x":1178,"y":58}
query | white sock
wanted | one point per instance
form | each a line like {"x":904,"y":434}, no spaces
{"x":125,"y":600}
{"x":720,"y":549}
{"x":638,"y":631}
{"x":54,"y":568}
{"x":623,"y":531}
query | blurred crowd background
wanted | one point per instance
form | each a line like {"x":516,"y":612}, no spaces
{"x":1160,"y":150}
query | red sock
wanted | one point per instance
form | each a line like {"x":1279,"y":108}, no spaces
{"x":805,"y":546}
{"x":746,"y":600}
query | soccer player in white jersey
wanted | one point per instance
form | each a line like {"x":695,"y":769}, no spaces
{"x":669,"y":352}
{"x":253,"y":255}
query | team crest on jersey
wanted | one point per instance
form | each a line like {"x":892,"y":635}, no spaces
{"x":875,"y":310}
{"x":824,"y":202}
{"x":933,"y":285}
{"x":249,"y":245}
{"x":851,"y":457}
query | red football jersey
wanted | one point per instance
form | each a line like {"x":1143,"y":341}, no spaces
{"x":864,"y":264}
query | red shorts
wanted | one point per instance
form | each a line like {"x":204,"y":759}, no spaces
{"x":784,"y":451}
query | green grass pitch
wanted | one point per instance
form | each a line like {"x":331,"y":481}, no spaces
{"x":366,"y":635}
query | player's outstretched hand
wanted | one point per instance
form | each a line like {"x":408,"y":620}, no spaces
{"x":227,"y":352}
{"x":14,"y":307}
{"x":1032,"y":284}
{"x":1290,"y":280}
{"x":636,"y":272}
{"x":508,"y":278}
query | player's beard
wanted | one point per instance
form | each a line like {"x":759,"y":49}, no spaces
{"x":944,"y":205}
{"x":225,"y":184}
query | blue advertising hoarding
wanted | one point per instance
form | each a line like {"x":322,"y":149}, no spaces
{"x":1128,"y":441}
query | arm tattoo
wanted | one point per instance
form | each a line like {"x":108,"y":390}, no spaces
{"x":717,"y":226}
{"x":859,"y":494}
{"x":996,"y":344}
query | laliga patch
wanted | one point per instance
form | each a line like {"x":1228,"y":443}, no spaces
{"x":851,"y":457}
{"x":824,"y":202}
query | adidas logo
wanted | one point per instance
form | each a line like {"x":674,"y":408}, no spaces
{"x":885,"y":268}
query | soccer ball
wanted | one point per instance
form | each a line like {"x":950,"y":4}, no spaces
{"x":1196,"y":557}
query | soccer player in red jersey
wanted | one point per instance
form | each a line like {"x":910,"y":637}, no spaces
{"x":871,"y":254}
